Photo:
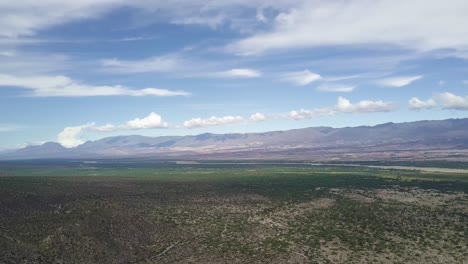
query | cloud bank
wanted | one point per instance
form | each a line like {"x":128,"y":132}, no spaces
{"x":71,"y":136}
{"x":365,"y":106}
{"x":446,"y":100}
{"x":212,"y":121}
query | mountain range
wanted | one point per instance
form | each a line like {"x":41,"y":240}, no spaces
{"x":420,"y":140}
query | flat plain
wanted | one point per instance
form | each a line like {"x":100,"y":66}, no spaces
{"x":167,"y":212}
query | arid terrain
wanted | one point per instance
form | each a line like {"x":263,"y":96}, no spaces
{"x":238,"y":213}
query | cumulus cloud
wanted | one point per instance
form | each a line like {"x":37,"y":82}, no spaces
{"x":318,"y":112}
{"x":71,"y":136}
{"x":242,"y":73}
{"x":364,"y":106}
{"x":336,"y":88}
{"x":301,"y":77}
{"x":418,"y":104}
{"x":452,"y":101}
{"x":258,"y":117}
{"x":399,"y":81}
{"x":153,"y":120}
{"x":63,"y":86}
{"x":212,"y":121}
{"x":397,"y":23}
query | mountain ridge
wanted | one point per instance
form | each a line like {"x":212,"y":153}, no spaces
{"x":444,"y":138}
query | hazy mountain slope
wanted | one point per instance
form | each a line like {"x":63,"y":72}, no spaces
{"x":307,"y":143}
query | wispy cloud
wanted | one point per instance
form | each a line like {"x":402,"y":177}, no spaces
{"x":361,"y":23}
{"x":8,"y":128}
{"x":20,"y":19}
{"x":15,"y":62}
{"x":238,"y":73}
{"x":177,"y":65}
{"x":399,"y":81}
{"x":63,"y":86}
{"x":336,"y":88}
{"x":301,"y":77}
{"x":167,"y":63}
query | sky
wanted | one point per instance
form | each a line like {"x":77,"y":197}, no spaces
{"x":72,"y":71}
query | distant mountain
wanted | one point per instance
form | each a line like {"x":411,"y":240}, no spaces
{"x":46,"y":150}
{"x":444,"y":139}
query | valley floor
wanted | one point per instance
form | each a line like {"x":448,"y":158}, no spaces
{"x":231,"y":213}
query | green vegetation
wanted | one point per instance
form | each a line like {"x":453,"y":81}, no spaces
{"x":235,"y":213}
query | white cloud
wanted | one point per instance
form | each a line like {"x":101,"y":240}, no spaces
{"x":365,"y":106}
{"x":318,"y":112}
{"x":71,"y":136}
{"x":418,"y":104}
{"x":62,"y":86}
{"x":212,"y":121}
{"x":175,"y":64}
{"x":153,"y":120}
{"x":27,"y":17}
{"x":335,"y":88}
{"x":452,"y":101}
{"x":418,"y":25}
{"x":20,"y":63}
{"x":298,"y":23}
{"x":399,"y":81}
{"x":258,"y":117}
{"x":167,"y":63}
{"x":301,"y":77}
{"x":242,"y":73}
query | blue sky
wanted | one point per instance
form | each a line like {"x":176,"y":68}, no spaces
{"x":71,"y":72}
